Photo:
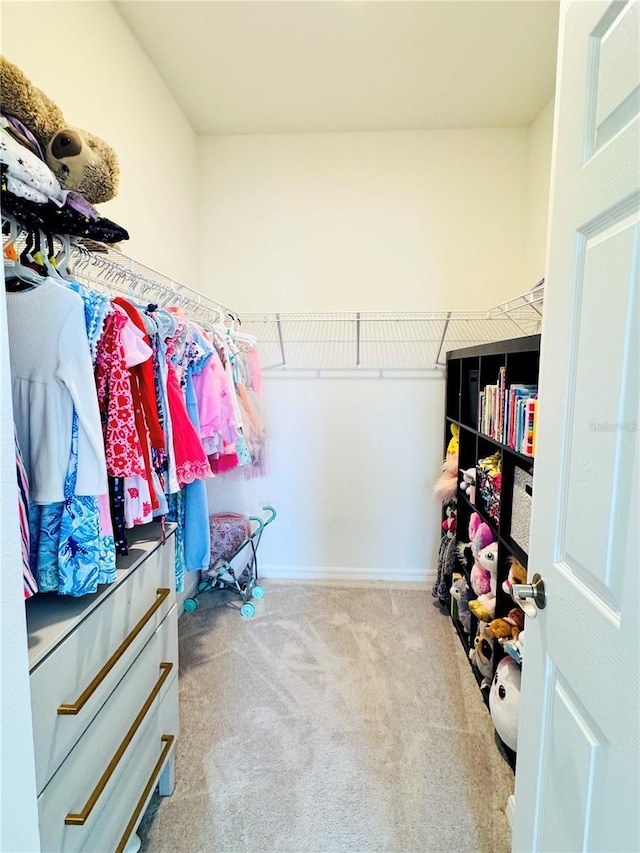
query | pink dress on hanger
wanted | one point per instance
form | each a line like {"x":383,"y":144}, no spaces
{"x":215,"y":406}
{"x":191,"y":460}
{"x":254,"y":369}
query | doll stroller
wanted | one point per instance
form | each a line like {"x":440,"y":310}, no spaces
{"x":234,"y":537}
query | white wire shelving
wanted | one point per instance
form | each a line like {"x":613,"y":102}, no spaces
{"x":392,"y":342}
{"x":325,"y":343}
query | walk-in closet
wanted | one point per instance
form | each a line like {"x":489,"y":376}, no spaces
{"x":319,"y":426}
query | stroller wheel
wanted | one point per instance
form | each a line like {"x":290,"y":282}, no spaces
{"x":190,"y":604}
{"x":203,"y":586}
{"x":248,"y":610}
{"x":258,"y":591}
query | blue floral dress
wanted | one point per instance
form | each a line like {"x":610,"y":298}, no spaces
{"x":69,"y":553}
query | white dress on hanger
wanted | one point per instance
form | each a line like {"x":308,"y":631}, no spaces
{"x":51,"y":374}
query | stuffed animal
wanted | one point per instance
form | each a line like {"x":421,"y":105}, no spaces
{"x":481,"y":655}
{"x":451,"y":521}
{"x":517,"y":574}
{"x":486,"y":564}
{"x":515,"y":648}
{"x":481,"y":537}
{"x":454,"y":441}
{"x":447,"y":485}
{"x":480,"y":534}
{"x":463,"y":594}
{"x":446,"y":556}
{"x":80,"y":160}
{"x":508,"y":628}
{"x":504,"y":701}
{"x":468,"y":483}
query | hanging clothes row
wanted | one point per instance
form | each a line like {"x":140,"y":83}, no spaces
{"x":122,"y":410}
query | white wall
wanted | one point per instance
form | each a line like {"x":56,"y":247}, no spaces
{"x":398,"y":221}
{"x":401,"y":221}
{"x":538,"y":184}
{"x":85,"y":58}
{"x":353,"y":462}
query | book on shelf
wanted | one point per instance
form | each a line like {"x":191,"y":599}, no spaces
{"x":523,"y":403}
{"x":508,"y":414}
{"x":502,"y":396}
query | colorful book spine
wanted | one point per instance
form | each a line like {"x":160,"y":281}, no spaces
{"x":528,"y":442}
{"x":508,"y":414}
{"x":499,"y":436}
{"x":535,"y":427}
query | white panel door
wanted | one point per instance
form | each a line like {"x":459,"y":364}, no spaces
{"x":577,"y":780}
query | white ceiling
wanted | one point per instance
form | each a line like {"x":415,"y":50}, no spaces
{"x":290,"y":67}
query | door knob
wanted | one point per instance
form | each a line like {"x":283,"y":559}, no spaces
{"x":530,"y":596}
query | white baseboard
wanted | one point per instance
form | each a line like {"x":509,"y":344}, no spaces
{"x":510,"y":811}
{"x":191,"y":581}
{"x":346,"y":573}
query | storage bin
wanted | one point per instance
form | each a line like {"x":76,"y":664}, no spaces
{"x":521,"y":507}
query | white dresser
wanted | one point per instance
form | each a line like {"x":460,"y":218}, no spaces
{"x":104,"y":694}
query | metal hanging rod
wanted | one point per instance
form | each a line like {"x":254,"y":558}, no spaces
{"x":113,"y":267}
{"x":109,"y":269}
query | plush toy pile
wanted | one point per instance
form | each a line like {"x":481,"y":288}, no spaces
{"x":445,"y":490}
{"x":52,"y":174}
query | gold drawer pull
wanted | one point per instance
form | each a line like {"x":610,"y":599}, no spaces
{"x":83,"y":698}
{"x":168,"y":743}
{"x":80,"y":818}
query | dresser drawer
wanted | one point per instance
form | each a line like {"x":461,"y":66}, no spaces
{"x":72,"y":683}
{"x":71,"y":804}
{"x":119,"y":819}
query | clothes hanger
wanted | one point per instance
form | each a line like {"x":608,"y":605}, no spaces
{"x":11,"y":229}
{"x":46,"y":256}
{"x":63,"y":259}
{"x":24,"y":272}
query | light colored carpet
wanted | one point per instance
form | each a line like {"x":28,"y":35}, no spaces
{"x":341,"y":718}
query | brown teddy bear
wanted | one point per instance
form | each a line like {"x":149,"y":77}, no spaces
{"x":80,"y":160}
{"x":508,"y":628}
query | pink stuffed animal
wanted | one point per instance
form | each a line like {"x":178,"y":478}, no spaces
{"x":486,"y":563}
{"x":481,"y":537}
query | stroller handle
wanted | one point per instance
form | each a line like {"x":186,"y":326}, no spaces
{"x":262,"y":524}
{"x":273,"y":514}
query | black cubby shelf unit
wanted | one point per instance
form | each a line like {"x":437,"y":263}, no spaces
{"x":468,"y":372}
